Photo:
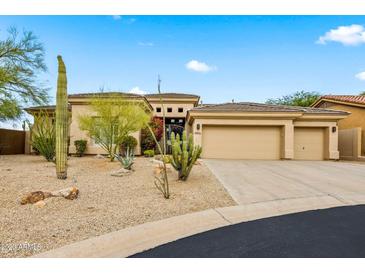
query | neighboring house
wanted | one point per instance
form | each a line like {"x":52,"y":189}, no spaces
{"x":234,"y":130}
{"x":355,"y":104}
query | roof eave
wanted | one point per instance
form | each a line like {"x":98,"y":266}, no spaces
{"x":319,"y":101}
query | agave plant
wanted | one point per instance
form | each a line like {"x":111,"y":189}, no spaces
{"x":127,"y":160}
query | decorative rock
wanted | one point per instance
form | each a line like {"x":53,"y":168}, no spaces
{"x":34,"y":197}
{"x":69,"y":193}
{"x":99,"y":156}
{"x":40,"y":204}
{"x":157,"y":162}
{"x":120,"y":172}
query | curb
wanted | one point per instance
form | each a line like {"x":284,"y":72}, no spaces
{"x":132,"y":240}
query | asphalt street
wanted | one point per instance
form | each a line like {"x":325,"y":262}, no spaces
{"x":336,"y":232}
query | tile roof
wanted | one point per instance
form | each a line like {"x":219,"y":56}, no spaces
{"x":48,"y":107}
{"x":109,"y":93}
{"x":356,"y":99}
{"x":172,"y":95}
{"x":257,"y":107}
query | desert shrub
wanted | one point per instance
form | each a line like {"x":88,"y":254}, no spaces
{"x":128,"y":142}
{"x":149,"y":153}
{"x":43,"y":135}
{"x":127,"y":160}
{"x":147,"y":140}
{"x":80,"y":147}
{"x":184,"y":154}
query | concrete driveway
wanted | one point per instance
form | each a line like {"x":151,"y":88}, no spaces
{"x":255,"y":181}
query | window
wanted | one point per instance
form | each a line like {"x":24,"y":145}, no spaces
{"x":158,"y":109}
{"x":180,"y":110}
{"x":169,"y":109}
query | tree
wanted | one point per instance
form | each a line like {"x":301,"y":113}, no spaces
{"x":21,"y":59}
{"x":299,"y":98}
{"x":362,"y":93}
{"x":115,"y":118}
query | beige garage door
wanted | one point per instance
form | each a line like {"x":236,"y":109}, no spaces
{"x":308,"y":143}
{"x":241,"y":142}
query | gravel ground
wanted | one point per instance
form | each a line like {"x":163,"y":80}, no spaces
{"x":105,"y":203}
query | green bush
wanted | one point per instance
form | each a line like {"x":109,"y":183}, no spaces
{"x":149,"y":153}
{"x":128,"y":142}
{"x":80,"y":147}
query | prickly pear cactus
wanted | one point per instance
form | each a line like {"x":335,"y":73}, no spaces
{"x":184,"y":154}
{"x":61,"y":121}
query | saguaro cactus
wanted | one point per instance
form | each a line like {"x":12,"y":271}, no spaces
{"x":184,"y":154}
{"x":61,"y":121}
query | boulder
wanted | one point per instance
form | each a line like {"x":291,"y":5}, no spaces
{"x":121,"y":172}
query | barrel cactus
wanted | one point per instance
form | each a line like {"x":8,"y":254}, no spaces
{"x":184,"y":154}
{"x":61,"y":121}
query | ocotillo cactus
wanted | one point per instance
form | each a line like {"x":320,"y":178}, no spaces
{"x":184,"y":154}
{"x":61,"y":121}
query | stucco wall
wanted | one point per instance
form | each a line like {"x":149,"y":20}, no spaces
{"x":174,"y":106}
{"x":76,"y":133}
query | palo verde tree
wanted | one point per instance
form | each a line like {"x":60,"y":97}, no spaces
{"x":115,"y":118}
{"x":299,"y":98}
{"x":21,"y":60}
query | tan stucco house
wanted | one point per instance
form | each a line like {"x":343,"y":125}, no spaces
{"x":233,"y":130}
{"x":355,"y":105}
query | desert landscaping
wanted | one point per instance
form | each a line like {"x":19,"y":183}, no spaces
{"x":105,"y":203}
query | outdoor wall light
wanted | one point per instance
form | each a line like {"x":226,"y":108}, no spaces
{"x":197,"y":126}
{"x":334,"y":129}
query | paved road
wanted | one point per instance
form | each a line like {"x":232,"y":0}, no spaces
{"x":335,"y":232}
{"x":254,"y":181}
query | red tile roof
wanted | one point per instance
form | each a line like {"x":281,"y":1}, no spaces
{"x":355,"y":99}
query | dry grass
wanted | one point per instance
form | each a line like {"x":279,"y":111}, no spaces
{"x":105,"y":203}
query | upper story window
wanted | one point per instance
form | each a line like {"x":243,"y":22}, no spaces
{"x":169,"y":109}
{"x":158,"y":109}
{"x":180,"y":110}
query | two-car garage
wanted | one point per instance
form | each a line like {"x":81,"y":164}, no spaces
{"x":265,"y":132}
{"x":260,"y":142}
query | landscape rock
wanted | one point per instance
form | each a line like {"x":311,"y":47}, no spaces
{"x":40,"y":204}
{"x":69,"y":193}
{"x":34,"y":197}
{"x":120,"y":172}
{"x":158,"y":162}
{"x":99,"y":156}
